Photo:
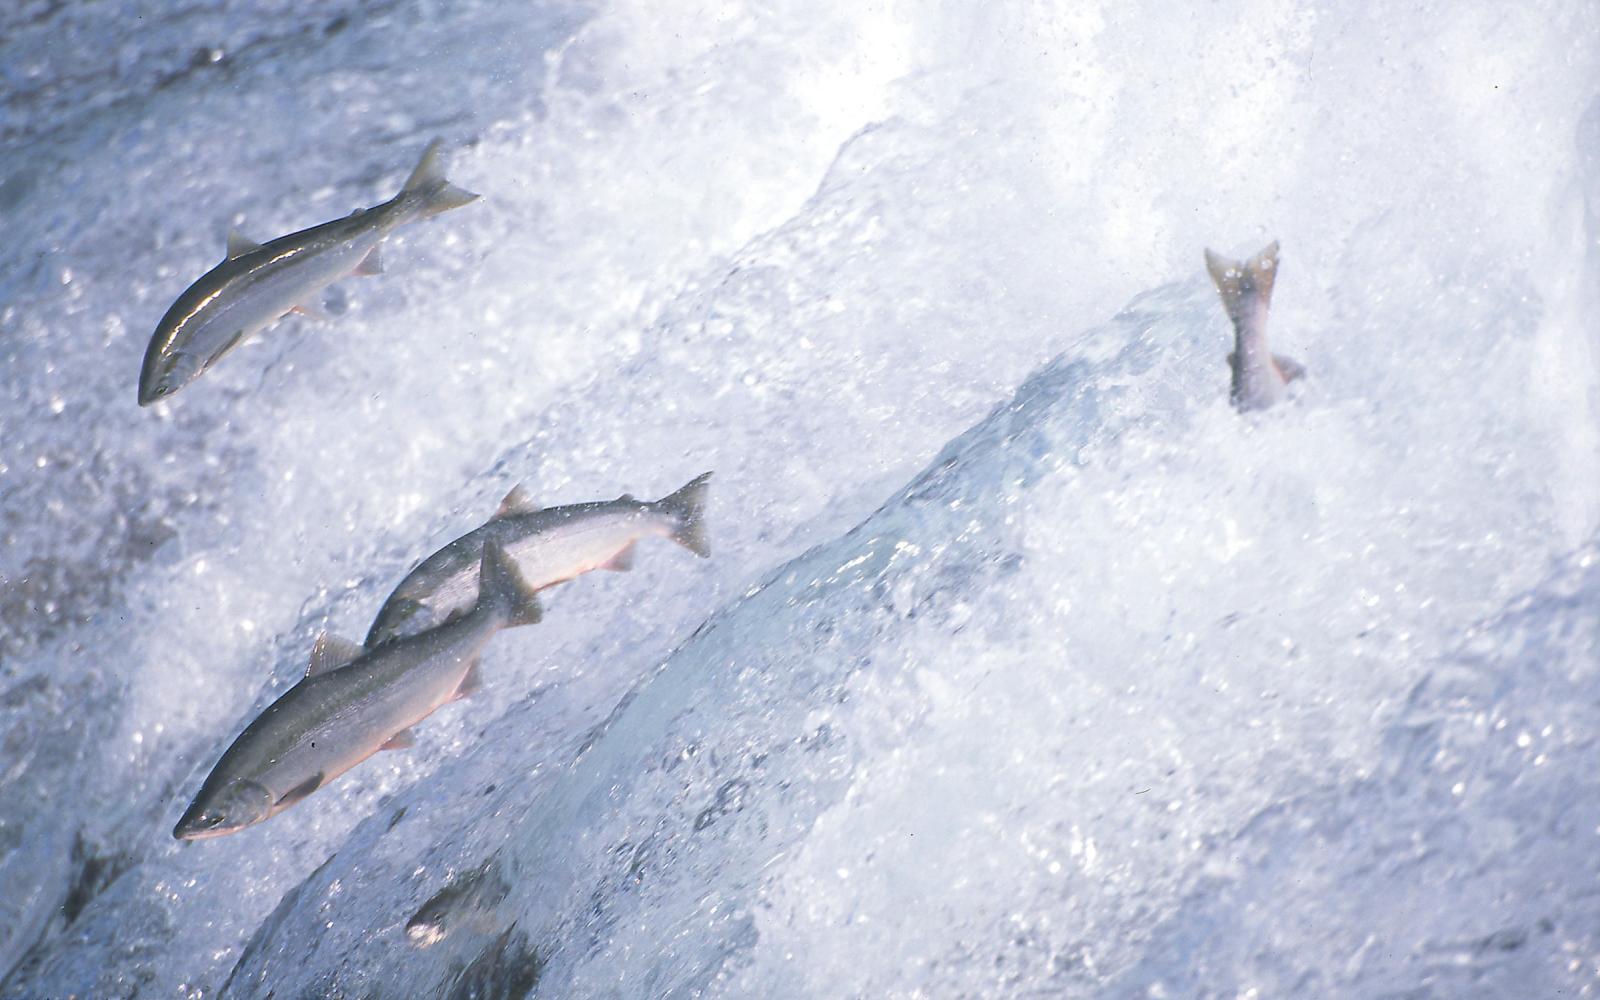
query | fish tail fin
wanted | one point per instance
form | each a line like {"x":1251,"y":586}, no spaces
{"x":500,"y":584}
{"x":688,"y":506}
{"x":1239,"y":281}
{"x":429,"y":186}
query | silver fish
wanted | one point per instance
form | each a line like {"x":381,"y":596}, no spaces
{"x":465,"y":902}
{"x":257,"y":284}
{"x":351,"y":704}
{"x":550,"y":546}
{"x":1260,"y":378}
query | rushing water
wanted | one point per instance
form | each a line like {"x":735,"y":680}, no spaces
{"x":1023,"y":665}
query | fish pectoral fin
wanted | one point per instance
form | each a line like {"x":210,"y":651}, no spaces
{"x":1289,"y":368}
{"x":239,"y":244}
{"x":370,"y":264}
{"x":300,"y":791}
{"x":231,"y":343}
{"x":470,"y":684}
{"x":518,"y":501}
{"x":332,"y":652}
{"x":623,"y":560}
{"x":312,"y":309}
{"x":403,"y":740}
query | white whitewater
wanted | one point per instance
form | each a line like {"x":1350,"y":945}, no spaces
{"x":1023,"y":665}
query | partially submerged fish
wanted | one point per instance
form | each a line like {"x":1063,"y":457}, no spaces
{"x":550,"y":546}
{"x":256,"y":284}
{"x":351,"y":704}
{"x":1260,"y":378}
{"x":465,"y":902}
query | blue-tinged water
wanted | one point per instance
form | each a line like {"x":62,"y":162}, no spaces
{"x":1023,"y":666}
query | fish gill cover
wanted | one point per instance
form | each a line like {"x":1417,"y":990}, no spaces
{"x":1114,"y":693}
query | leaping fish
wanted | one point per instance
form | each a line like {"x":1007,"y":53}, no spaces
{"x":351,"y":704}
{"x":257,"y":284}
{"x":550,"y":546}
{"x":1260,"y":378}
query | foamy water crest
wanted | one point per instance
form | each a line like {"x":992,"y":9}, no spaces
{"x":1023,"y":664}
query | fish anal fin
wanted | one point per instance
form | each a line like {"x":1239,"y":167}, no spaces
{"x":471,"y":684}
{"x":239,"y":244}
{"x":370,"y":264}
{"x":331,"y":652}
{"x":623,"y":560}
{"x":300,"y":791}
{"x":518,"y":501}
{"x":1289,"y":368}
{"x":403,"y":740}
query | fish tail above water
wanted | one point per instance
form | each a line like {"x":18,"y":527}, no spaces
{"x":501,"y":585}
{"x":428,"y":185}
{"x":687,"y":505}
{"x":1244,"y":285}
{"x":1259,"y":376}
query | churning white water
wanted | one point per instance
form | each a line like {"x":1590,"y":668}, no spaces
{"x":1023,"y":665}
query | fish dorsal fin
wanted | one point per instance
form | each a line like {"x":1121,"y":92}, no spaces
{"x":239,"y":244}
{"x":518,"y":501}
{"x":331,"y":652}
{"x":501,"y":587}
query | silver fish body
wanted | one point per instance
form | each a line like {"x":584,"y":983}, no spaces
{"x":1260,"y":378}
{"x":351,"y":704}
{"x":549,"y":546}
{"x":256,"y":284}
{"x":468,"y":901}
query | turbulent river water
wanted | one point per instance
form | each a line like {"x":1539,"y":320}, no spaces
{"x":1023,"y":665}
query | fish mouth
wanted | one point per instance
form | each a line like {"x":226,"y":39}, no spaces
{"x":188,"y":831}
{"x":237,"y":805}
{"x":161,"y":376}
{"x":154,"y":384}
{"x":168,"y":367}
{"x":194,"y":826}
{"x":156,"y":368}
